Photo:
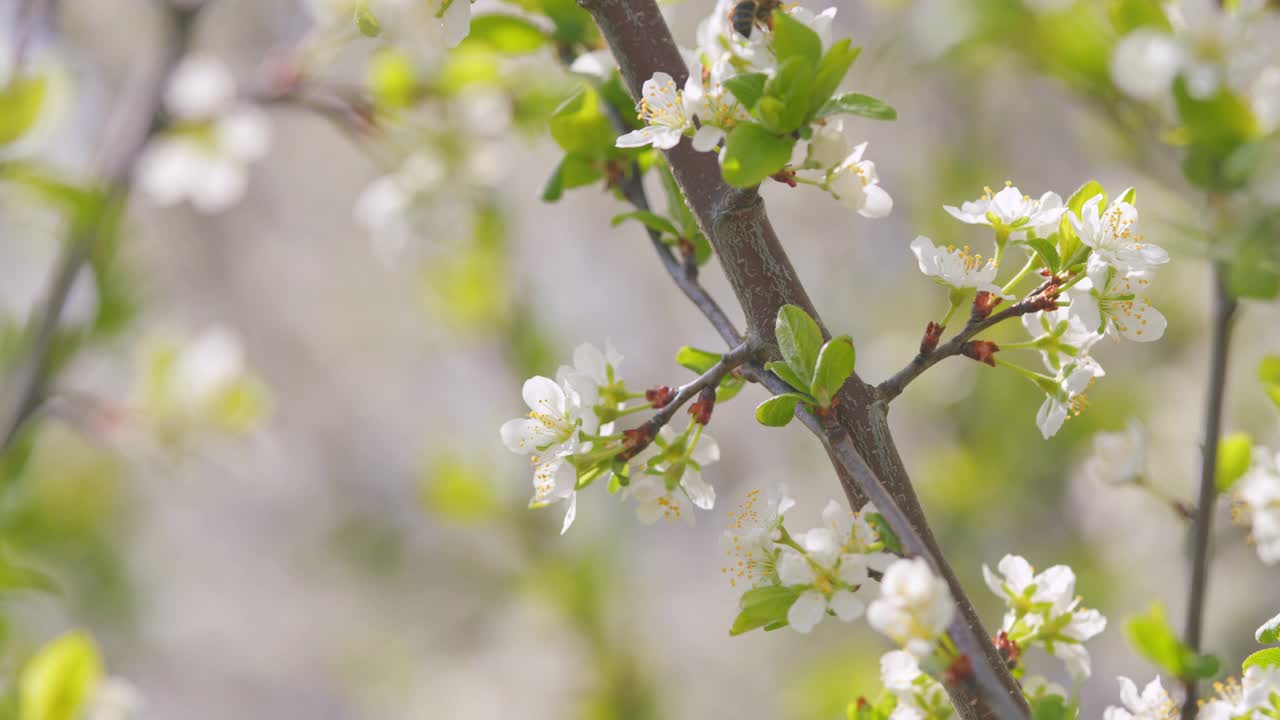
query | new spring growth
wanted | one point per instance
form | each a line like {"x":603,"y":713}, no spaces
{"x":983,"y":303}
{"x":659,"y":396}
{"x":984,"y":351}
{"x":932,"y":335}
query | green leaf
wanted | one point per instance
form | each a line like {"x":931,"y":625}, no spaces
{"x":1263,"y":658}
{"x":1047,"y":252}
{"x":748,"y":88}
{"x":788,"y":95}
{"x":17,"y":577}
{"x":366,"y":21}
{"x":784,"y":371}
{"x":752,"y":154}
{"x":580,"y":126}
{"x":1084,"y":194}
{"x":778,"y":410}
{"x":1049,"y":707}
{"x":573,"y":171}
{"x":887,"y":536}
{"x":1068,"y":242}
{"x":836,"y":361}
{"x":794,"y":39}
{"x":1153,"y":638}
{"x":699,"y":361}
{"x":729,"y":387}
{"x":508,"y":34}
{"x":799,"y":340}
{"x":1129,"y":15}
{"x":1234,"y":453}
{"x":858,"y":104}
{"x":20,"y":105}
{"x":1269,"y":632}
{"x":677,"y":208}
{"x":654,"y":222}
{"x":763,"y":607}
{"x":57,"y":682}
{"x":830,"y":73}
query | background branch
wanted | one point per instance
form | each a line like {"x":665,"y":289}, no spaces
{"x":25,"y":389}
{"x":1224,"y":309}
{"x":763,"y":280}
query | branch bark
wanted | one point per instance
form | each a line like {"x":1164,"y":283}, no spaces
{"x":763,"y":279}
{"x":1224,"y":309}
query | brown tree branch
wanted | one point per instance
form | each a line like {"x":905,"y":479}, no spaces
{"x":857,"y":438}
{"x":24,"y":391}
{"x":1224,"y":309}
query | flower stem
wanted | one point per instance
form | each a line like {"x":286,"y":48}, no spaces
{"x":1022,"y":274}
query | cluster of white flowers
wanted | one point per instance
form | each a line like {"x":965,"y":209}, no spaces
{"x":571,"y":438}
{"x":204,"y":156}
{"x":1043,"y":610}
{"x":827,"y":566}
{"x":707,"y":110}
{"x":1211,"y":46}
{"x":914,"y":608}
{"x":1107,"y":299}
{"x":1258,"y":498}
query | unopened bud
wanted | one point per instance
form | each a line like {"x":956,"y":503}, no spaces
{"x":636,"y":440}
{"x":659,"y":396}
{"x":932,"y":335}
{"x":984,"y":351}
{"x":701,"y":408}
{"x":983,"y":303}
{"x":1008,"y":649}
{"x":786,"y":177}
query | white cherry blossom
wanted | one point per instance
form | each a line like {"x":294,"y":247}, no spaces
{"x":956,"y":267}
{"x":1258,"y":494}
{"x":914,"y":606}
{"x":1062,"y":338}
{"x":855,"y":184}
{"x":1153,"y":703}
{"x":750,"y":540}
{"x":919,"y":696}
{"x":1114,"y":236}
{"x":1119,"y":458}
{"x":1009,"y":209}
{"x":678,"y":486}
{"x":1114,"y":303}
{"x":665,"y":112}
{"x":1064,"y":395}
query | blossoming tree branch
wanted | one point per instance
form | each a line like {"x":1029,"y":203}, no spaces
{"x":756,"y":97}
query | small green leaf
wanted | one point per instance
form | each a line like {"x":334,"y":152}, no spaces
{"x":508,"y":34}
{"x":677,"y":208}
{"x":752,"y":154}
{"x":1047,"y":252}
{"x":1049,"y":707}
{"x":791,"y":86}
{"x":860,"y":105}
{"x":57,"y":682}
{"x":366,"y":21}
{"x":1153,"y":638}
{"x":729,"y":387}
{"x":778,"y":410}
{"x":654,"y":222}
{"x":20,"y":105}
{"x":699,"y":361}
{"x":1234,"y":453}
{"x":799,"y":340}
{"x":1200,"y":667}
{"x":747,"y":87}
{"x":836,"y":361}
{"x":573,"y":171}
{"x":887,"y":536}
{"x":1068,"y":242}
{"x":764,"y":607}
{"x":1083,"y":194}
{"x":830,"y":73}
{"x":784,"y":371}
{"x":1269,"y":632}
{"x":580,"y":126}
{"x":1263,"y":658}
{"x":794,"y":39}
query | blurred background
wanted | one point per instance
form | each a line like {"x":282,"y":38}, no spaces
{"x":349,"y":539}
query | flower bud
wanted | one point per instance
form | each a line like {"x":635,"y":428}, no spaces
{"x":983,"y":303}
{"x":659,"y":396}
{"x":932,"y":335}
{"x":701,"y":409}
{"x":984,"y":351}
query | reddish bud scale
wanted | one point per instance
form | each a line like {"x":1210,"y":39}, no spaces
{"x":983,"y":303}
{"x":960,"y":671}
{"x":1008,"y":649}
{"x":701,"y":409}
{"x":636,"y":440}
{"x":932,"y":336}
{"x":687,"y":249}
{"x":984,"y":351}
{"x":659,"y":396}
{"x":786,"y":177}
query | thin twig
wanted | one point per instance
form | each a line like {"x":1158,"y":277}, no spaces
{"x":1224,"y":309}
{"x":710,"y":379}
{"x":25,"y":389}
{"x":893,"y":387}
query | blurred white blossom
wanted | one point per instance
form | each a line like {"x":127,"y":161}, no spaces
{"x":914,"y":607}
